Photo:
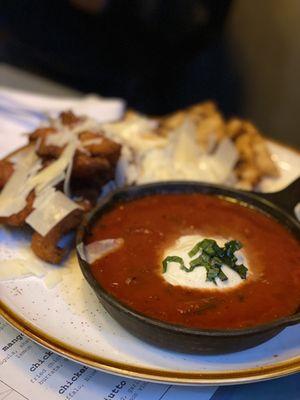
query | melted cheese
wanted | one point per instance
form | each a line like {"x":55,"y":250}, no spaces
{"x":197,"y":278}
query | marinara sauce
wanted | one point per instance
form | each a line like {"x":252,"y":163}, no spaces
{"x":133,"y":274}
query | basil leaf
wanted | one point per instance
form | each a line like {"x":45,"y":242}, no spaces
{"x":208,"y":246}
{"x":176,"y":259}
{"x":231,"y":247}
{"x":241,"y":270}
{"x":222,"y":276}
{"x":212,"y":274}
{"x":195,"y":250}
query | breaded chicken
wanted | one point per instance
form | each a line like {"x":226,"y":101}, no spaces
{"x":209,"y":123}
{"x":255,"y":160}
{"x":46,"y":248}
{"x":19,"y":218}
{"x":6,"y":170}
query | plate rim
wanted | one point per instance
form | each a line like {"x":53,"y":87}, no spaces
{"x":224,"y":377}
{"x":103,"y":364}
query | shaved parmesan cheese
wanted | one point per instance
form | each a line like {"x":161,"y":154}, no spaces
{"x":297,"y":211}
{"x":211,"y":142}
{"x":152,"y":158}
{"x":13,"y":196}
{"x":50,"y":206}
{"x":137,"y":133}
{"x":66,"y":134}
{"x":90,"y":142}
{"x":51,"y":183}
{"x":67,"y":189}
{"x":224,"y":159}
{"x":59,"y":139}
{"x":156,"y":166}
{"x":53,"y":278}
{"x":36,"y":268}
{"x":186,"y":149}
{"x":206,"y":170}
{"x":179,"y":159}
{"x":56,"y":169}
{"x":49,"y":213}
{"x":126,"y":170}
{"x":99,"y":249}
{"x":44,"y":196}
{"x":183,"y":158}
{"x":87,"y":124}
{"x":81,"y":251}
{"x":13,"y":269}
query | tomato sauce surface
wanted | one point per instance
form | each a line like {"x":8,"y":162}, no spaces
{"x":133,"y":274}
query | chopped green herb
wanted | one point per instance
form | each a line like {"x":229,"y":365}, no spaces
{"x":212,"y":273}
{"x":212,"y":257}
{"x":195,"y":250}
{"x":241,"y":270}
{"x":176,"y":259}
{"x":222,"y":276}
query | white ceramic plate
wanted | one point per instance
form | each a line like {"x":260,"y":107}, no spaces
{"x":69,"y":320}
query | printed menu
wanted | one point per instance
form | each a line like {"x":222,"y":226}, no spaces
{"x":29,"y":371}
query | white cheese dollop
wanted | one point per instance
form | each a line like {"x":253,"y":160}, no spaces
{"x":197,"y":278}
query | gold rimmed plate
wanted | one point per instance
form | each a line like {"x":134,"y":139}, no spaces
{"x":69,"y":320}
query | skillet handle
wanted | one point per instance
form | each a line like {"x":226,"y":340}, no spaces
{"x":288,"y":199}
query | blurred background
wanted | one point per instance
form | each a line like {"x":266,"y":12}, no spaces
{"x":161,"y":55}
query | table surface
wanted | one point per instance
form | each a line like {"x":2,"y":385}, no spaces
{"x":282,"y":388}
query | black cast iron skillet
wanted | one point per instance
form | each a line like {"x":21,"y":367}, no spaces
{"x":279,"y":205}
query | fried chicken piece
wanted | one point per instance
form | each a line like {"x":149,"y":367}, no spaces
{"x":93,"y":144}
{"x":6,"y":170}
{"x":171,"y":122}
{"x":84,"y":195}
{"x":46,"y":247}
{"x":43,"y":149}
{"x":69,"y":118}
{"x":100,"y":146}
{"x":19,"y":218}
{"x":95,"y":160}
{"x":85,"y":204}
{"x":94,"y":169}
{"x":210,"y":125}
{"x":255,"y":160}
{"x":41,"y":133}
